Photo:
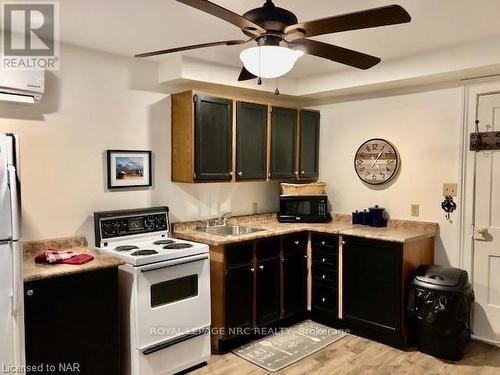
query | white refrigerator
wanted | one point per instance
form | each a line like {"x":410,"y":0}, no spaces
{"x":11,"y":278}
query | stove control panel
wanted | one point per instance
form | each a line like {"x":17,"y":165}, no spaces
{"x":113,"y":224}
{"x":133,"y":225}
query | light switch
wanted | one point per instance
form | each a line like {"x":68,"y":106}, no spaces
{"x":450,"y":189}
{"x":415,"y":210}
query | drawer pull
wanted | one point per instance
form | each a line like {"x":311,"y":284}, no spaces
{"x":252,"y":269}
{"x":305,"y":256}
{"x":323,"y":260}
{"x":323,"y":243}
{"x":261,"y":267}
{"x":323,"y":277}
{"x":343,"y":242}
{"x":29,"y":292}
{"x":323,"y":299}
{"x":297,"y":242}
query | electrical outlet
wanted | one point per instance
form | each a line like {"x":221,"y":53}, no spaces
{"x":450,"y":190}
{"x":415,"y":210}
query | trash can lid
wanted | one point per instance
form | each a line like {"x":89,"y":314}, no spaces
{"x":440,"y":276}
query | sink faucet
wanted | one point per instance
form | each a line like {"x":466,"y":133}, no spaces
{"x":222,"y":220}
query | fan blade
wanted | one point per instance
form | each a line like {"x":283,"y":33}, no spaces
{"x":194,"y":46}
{"x":245,"y":75}
{"x":383,"y":16}
{"x":335,"y":53}
{"x":225,"y":14}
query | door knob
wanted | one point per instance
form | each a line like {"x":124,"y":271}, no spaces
{"x":485,"y":235}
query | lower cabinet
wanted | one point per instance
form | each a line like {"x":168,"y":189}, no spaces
{"x":239,"y":290}
{"x":294,"y":273}
{"x":72,"y":322}
{"x":375,"y":286}
{"x":256,"y":284}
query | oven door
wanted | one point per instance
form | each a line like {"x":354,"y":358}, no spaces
{"x":172,"y":301}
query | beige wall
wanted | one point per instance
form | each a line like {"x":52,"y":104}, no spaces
{"x":94,"y":103}
{"x":426,"y":129}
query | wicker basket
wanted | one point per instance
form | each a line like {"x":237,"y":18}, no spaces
{"x":315,"y":188}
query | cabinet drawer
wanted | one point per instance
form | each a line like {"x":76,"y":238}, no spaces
{"x":328,"y":278}
{"x":295,"y":242}
{"x":325,"y":300}
{"x":324,"y":242}
{"x":241,"y":253}
{"x":324,"y":259}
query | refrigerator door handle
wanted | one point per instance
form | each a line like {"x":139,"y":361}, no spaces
{"x":14,"y":202}
{"x":17,"y":278}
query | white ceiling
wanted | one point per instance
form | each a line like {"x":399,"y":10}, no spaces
{"x":127,"y":27}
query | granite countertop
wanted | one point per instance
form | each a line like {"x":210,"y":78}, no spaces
{"x":396,"y":231}
{"x":37,"y":271}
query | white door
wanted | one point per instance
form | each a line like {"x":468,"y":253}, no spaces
{"x":486,"y":271}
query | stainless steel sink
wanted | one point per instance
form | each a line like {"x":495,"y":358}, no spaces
{"x":229,"y":230}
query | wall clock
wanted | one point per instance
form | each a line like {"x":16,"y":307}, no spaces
{"x":377,"y":161}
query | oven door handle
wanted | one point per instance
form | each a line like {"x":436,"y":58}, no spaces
{"x":176,"y":262}
{"x":176,"y":340}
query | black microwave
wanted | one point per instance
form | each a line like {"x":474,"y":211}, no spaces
{"x":304,"y":209}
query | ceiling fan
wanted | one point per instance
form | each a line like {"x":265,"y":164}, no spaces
{"x":280,"y":39}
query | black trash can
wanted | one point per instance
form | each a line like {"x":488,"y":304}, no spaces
{"x":440,"y":303}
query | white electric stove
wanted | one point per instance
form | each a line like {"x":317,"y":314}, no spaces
{"x":164,"y":291}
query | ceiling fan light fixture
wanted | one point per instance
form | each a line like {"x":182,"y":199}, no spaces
{"x":269,"y":61}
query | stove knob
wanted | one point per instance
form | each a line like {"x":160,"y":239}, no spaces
{"x":148,"y":223}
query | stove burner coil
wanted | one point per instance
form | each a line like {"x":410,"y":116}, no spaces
{"x":125,"y":248}
{"x":176,"y":246}
{"x":144,"y":252}
{"x":163,"y":242}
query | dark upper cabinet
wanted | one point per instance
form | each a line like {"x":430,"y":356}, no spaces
{"x":372,"y":287}
{"x":309,"y":144}
{"x":283,"y":143}
{"x":294,"y":274}
{"x":213,"y":138}
{"x":267,"y":296}
{"x":251,"y":141}
{"x":239,"y":296}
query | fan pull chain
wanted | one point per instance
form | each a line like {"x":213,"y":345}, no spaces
{"x":259,"y":81}
{"x":277,"y":91}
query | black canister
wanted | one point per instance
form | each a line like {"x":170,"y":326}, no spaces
{"x":355,"y":217}
{"x":364,"y":217}
{"x":377,"y":217}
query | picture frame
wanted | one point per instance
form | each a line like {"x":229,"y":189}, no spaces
{"x":129,"y":169}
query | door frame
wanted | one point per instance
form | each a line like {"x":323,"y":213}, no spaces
{"x":474,"y":89}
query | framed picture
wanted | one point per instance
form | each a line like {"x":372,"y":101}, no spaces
{"x":129,"y":168}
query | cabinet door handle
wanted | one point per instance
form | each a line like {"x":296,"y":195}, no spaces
{"x":240,"y":173}
{"x":252,"y":269}
{"x":261,"y":267}
{"x":323,"y":260}
{"x":323,"y":299}
{"x":296,"y":242}
{"x":343,"y":242}
{"x":305,"y":256}
{"x":323,"y":277}
{"x":29,"y":293}
{"x":323,"y":243}
{"x":231,"y":173}
{"x":296,"y":172}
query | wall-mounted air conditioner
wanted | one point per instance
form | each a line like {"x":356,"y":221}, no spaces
{"x":22,"y":86}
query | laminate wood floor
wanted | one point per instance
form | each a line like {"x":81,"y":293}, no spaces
{"x":355,"y":355}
